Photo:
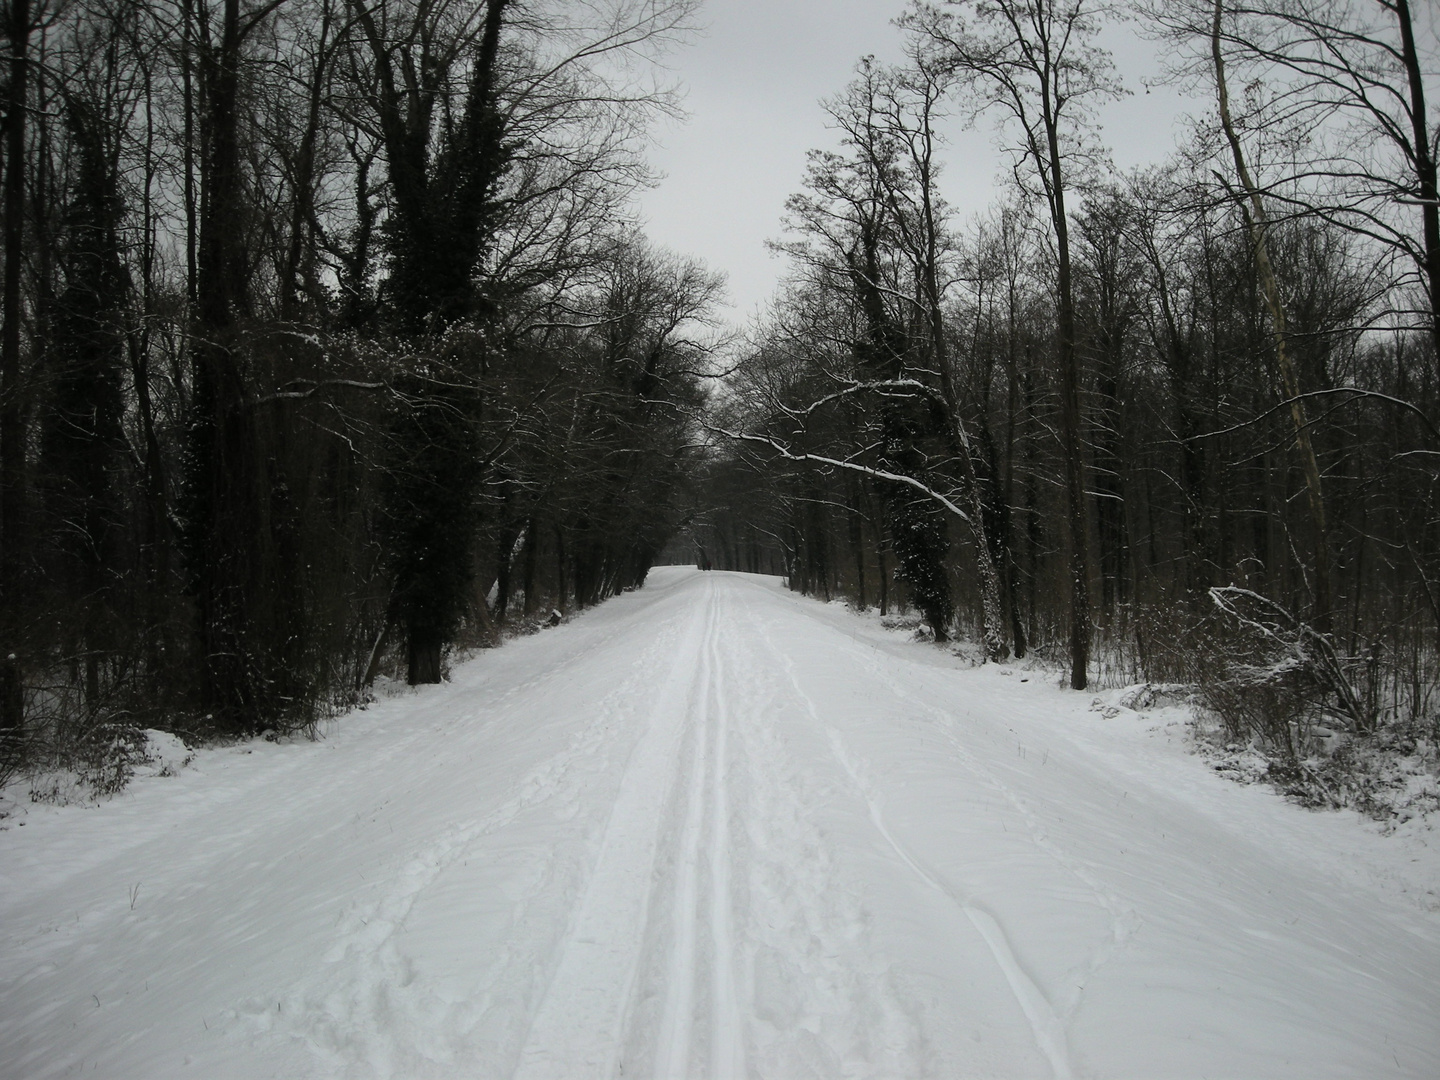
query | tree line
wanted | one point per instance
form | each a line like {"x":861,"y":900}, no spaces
{"x":1176,"y":424}
{"x":327,"y":344}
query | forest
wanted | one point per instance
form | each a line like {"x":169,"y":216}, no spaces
{"x":1176,"y":425}
{"x":330,"y":346}
{"x":324,"y":323}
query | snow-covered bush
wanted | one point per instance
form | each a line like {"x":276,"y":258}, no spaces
{"x":1328,"y":730}
{"x":1280,"y":681}
{"x":93,"y":767}
{"x":101,"y":764}
{"x":77,"y":748}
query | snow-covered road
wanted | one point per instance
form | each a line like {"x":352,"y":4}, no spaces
{"x":714,"y":829}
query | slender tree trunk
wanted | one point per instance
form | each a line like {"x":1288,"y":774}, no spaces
{"x":1110,"y":496}
{"x":155,"y":527}
{"x":1070,"y":434}
{"x":1033,"y":525}
{"x":300,"y":253}
{"x":12,"y":410}
{"x":562,"y":571}
{"x":927,"y":258}
{"x":996,"y":646}
{"x":1005,"y":491}
{"x":225,"y":482}
{"x":528,"y":566}
{"x":1424,"y":164}
{"x":187,"y":84}
{"x":377,"y":653}
{"x":1289,"y":379}
{"x":504,"y":561}
{"x":857,"y":547}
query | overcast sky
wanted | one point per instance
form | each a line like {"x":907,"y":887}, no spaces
{"x":753,"y":82}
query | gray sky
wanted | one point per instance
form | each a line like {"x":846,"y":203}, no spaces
{"x":753,"y":83}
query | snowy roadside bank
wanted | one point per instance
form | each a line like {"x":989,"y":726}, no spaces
{"x":1382,"y":793}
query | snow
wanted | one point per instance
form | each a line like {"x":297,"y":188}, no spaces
{"x":715,"y":829}
{"x":165,"y":754}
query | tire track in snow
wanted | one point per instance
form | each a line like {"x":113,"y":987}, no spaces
{"x":579,"y":1026}
{"x":366,"y":976}
{"x":822,"y":1002}
{"x":1045,"y":1024}
{"x":672,"y":1058}
{"x":1124,"y":920}
{"x":708,"y":798}
{"x":727,"y":1045}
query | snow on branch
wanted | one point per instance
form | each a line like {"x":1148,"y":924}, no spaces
{"x":884,"y":388}
{"x":303,"y":389}
{"x":1357,"y":393}
{"x":1302,"y":649}
{"x":853,"y":466}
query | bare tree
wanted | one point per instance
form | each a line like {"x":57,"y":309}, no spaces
{"x":1340,"y":86}
{"x":1257,"y":223}
{"x":12,"y":403}
{"x":906,"y":103}
{"x":1035,"y":62}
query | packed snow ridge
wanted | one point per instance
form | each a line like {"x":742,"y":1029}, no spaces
{"x":715,"y":829}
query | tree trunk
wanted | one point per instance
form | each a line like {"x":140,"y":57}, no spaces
{"x":377,"y":652}
{"x":1289,"y":380}
{"x":442,"y":216}
{"x":300,"y":252}
{"x":227,"y":511}
{"x":562,"y":572}
{"x":927,"y":257}
{"x":1005,"y":490}
{"x":857,"y":544}
{"x":504,"y":560}
{"x":918,"y":531}
{"x":12,"y":411}
{"x":187,"y":82}
{"x":1425,"y":170}
{"x":1070,"y":436}
{"x":996,"y":646}
{"x":528,"y":567}
{"x":423,"y":660}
